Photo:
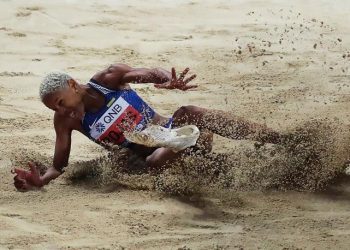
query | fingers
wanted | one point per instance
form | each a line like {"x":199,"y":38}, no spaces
{"x":21,"y":173}
{"x":164,"y":86}
{"x":19,"y":183}
{"x":17,"y":171}
{"x":187,"y":87}
{"x":23,"y":188}
{"x":182,"y":75}
{"x":178,"y":83}
{"x":173,"y":74}
{"x":33,"y":168}
{"x":158,"y":86}
{"x":18,"y":179}
{"x":190,"y":79}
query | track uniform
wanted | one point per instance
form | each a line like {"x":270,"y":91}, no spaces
{"x":124,"y":110}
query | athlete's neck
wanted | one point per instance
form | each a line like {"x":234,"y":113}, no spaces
{"x":92,"y":99}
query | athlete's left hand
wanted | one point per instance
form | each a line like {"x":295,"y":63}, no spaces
{"x":178,"y":82}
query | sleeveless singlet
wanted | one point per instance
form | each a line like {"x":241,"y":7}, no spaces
{"x":123,"y":111}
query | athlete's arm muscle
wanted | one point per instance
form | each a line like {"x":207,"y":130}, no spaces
{"x":63,"y":130}
{"x":63,"y":142}
{"x":63,"y":127}
{"x":118,"y":76}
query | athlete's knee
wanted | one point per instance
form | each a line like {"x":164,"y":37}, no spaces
{"x":189,"y":110}
{"x":151,"y":161}
{"x":155,"y":160}
{"x":161,"y":158}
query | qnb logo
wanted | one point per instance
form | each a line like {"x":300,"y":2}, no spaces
{"x":100,"y":127}
{"x":112,"y":113}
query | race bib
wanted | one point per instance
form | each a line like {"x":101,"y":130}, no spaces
{"x":119,"y":117}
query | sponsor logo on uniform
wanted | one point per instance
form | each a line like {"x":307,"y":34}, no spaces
{"x":109,"y":117}
{"x":100,"y":127}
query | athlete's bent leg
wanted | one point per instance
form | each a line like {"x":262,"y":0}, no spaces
{"x":225,"y":124}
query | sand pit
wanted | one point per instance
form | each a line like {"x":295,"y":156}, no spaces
{"x":282,"y":64}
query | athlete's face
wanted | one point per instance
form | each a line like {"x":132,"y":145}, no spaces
{"x":67,"y":101}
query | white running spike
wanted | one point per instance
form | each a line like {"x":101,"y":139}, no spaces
{"x":156,"y":136}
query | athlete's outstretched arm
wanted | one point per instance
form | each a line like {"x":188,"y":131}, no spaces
{"x":28,"y":180}
{"x":118,"y":76}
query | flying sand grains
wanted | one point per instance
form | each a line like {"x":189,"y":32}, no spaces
{"x":309,"y":158}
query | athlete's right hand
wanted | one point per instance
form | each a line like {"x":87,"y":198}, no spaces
{"x":25,"y":180}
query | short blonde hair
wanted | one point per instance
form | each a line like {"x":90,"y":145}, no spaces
{"x":52,"y":82}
